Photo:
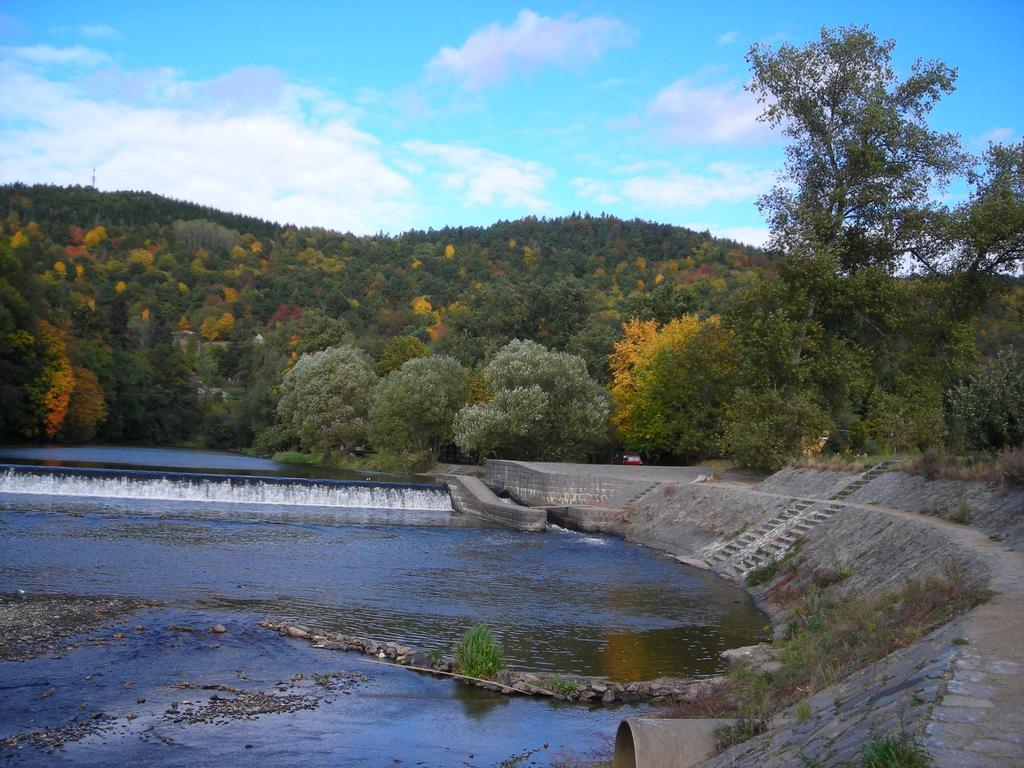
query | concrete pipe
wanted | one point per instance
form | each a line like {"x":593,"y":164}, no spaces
{"x":652,"y":743}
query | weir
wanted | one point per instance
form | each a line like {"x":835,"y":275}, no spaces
{"x":233,"y":489}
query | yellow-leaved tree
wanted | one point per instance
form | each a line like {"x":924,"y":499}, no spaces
{"x":670,"y":384}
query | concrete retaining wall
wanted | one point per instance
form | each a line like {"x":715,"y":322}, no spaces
{"x":587,"y":519}
{"x":996,"y":510}
{"x":539,"y":487}
{"x":471,"y":497}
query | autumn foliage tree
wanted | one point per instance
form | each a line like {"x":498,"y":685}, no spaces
{"x":87,"y":408}
{"x":670,"y":385}
{"x":51,"y":392}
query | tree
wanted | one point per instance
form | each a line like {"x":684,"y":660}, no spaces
{"x":413,"y":408}
{"x":763,"y":430}
{"x":670,"y":385}
{"x":399,"y":350}
{"x":987,"y":410}
{"x":823,"y":343}
{"x":325,"y":399}
{"x":861,"y":156}
{"x":984,"y":236}
{"x":544,"y":406}
{"x":86,"y":409}
{"x":51,"y":391}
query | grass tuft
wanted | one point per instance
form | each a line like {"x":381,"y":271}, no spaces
{"x":894,"y":752}
{"x":764,"y":573}
{"x":561,"y":685}
{"x":477,"y":654}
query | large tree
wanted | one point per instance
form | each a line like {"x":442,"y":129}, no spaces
{"x":325,"y":399}
{"x":413,"y":408}
{"x":835,"y":331}
{"x":545,"y":406}
{"x":862,"y":160}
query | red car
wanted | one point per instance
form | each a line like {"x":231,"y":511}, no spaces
{"x":632,"y":458}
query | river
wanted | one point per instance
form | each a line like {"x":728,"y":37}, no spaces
{"x":557,"y":601}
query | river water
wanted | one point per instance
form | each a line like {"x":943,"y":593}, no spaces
{"x":557,"y":601}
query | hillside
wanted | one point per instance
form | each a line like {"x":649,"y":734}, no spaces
{"x":96,"y":285}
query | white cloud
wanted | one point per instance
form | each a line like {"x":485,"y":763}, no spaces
{"x":47,"y":55}
{"x":484,"y":177}
{"x":99,"y":32}
{"x":757,"y":236}
{"x":532,"y":41}
{"x":598,"y":190}
{"x":677,"y":190}
{"x":997,"y":136}
{"x":290,"y":158}
{"x":729,"y":37}
{"x":689,"y":113}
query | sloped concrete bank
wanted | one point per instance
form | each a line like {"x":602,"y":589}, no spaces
{"x":959,"y":691}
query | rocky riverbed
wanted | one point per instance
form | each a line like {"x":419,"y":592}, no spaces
{"x":34,"y":625}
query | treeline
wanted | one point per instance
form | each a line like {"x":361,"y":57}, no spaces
{"x":130,"y":317}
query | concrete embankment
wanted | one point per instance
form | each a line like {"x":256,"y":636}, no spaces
{"x":959,"y":691}
{"x":470,"y":496}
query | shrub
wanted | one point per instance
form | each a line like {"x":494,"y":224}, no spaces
{"x":477,"y":654}
{"x":987,"y":411}
{"x":1011,"y":467}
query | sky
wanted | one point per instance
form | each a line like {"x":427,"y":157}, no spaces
{"x":382,"y":117}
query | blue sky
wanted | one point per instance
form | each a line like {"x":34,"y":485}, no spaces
{"x":381,"y":117}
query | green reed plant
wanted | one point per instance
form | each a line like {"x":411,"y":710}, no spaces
{"x":477,"y":654}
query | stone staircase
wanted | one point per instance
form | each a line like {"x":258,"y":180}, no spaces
{"x":771,"y":540}
{"x":879,"y":469}
{"x":632,"y":496}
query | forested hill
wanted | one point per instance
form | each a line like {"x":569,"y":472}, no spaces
{"x":118,"y":307}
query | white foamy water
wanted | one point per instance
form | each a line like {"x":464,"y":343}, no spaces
{"x":226,"y":491}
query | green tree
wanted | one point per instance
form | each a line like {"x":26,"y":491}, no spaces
{"x":987,"y":410}
{"x":414,"y":407}
{"x":681,"y":394}
{"x":399,"y":350}
{"x":545,"y":406}
{"x":325,"y":399}
{"x":861,"y":156}
{"x":825,"y":340}
{"x":765,"y":429}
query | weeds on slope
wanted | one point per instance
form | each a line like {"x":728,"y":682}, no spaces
{"x":828,"y":640}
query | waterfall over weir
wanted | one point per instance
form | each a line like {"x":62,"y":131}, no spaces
{"x":221,"y":489}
